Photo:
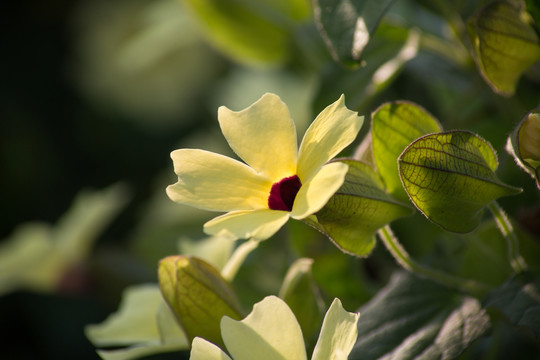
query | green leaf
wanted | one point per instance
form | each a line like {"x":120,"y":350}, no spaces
{"x":134,"y":322}
{"x":143,"y":323}
{"x":519,"y":300}
{"x":38,"y":256}
{"x":524,"y":144}
{"x":249,"y":32}
{"x":533,"y":8}
{"x":347,"y":26}
{"x":300,"y":292}
{"x":483,"y":254}
{"x":384,"y":59}
{"x":504,"y":44}
{"x":198,"y":296}
{"x":357,"y":210}
{"x":413,"y":318}
{"x":394,"y":126}
{"x":450,"y":178}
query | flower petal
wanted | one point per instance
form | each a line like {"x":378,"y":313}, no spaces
{"x":215,"y":182}
{"x":205,"y":350}
{"x":263,"y":135}
{"x":258,"y":224}
{"x":269,"y":332}
{"x":333,"y":130}
{"x":314,"y":194}
{"x":338,"y":333}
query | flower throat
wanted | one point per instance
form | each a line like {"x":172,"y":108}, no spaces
{"x":283,"y":193}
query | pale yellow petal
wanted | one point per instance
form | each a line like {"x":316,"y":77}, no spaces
{"x":333,"y":130}
{"x":263,"y":135}
{"x":205,"y":350}
{"x":338,"y":334}
{"x":215,"y":182}
{"x":258,"y":224}
{"x":269,"y":332}
{"x":314,"y":194}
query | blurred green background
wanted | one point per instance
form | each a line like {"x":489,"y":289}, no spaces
{"x":98,"y":93}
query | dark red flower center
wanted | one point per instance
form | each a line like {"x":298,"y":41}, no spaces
{"x":283,"y":193}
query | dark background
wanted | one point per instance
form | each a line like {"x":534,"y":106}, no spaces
{"x":53,"y":143}
{"x":56,"y":139}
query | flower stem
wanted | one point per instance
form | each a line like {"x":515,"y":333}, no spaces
{"x":507,"y":230}
{"x":237,"y":259}
{"x":404,"y":259}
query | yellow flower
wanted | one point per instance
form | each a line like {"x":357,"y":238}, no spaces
{"x":277,"y":180}
{"x":271,"y":331}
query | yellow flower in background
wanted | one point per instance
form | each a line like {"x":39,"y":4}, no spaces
{"x":277,"y":180}
{"x":271,"y":331}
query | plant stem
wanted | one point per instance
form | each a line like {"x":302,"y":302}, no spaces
{"x":237,"y":259}
{"x":507,"y":230}
{"x":404,"y":259}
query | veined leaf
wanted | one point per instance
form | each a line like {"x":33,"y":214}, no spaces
{"x":504,"y":45}
{"x":358,"y":209}
{"x":198,"y":296}
{"x":394,"y":126}
{"x":524,"y":144}
{"x":348,"y":25}
{"x":519,"y":300}
{"x":450,"y":178}
{"x":413,"y":318}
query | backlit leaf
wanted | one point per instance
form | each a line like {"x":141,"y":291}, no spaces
{"x":394,"y":126}
{"x":198,"y":296}
{"x":358,"y":209}
{"x":450,"y":178}
{"x":504,"y":44}
{"x":524,"y":144}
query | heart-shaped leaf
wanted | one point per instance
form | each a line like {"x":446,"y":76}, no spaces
{"x":504,"y":44}
{"x":450,"y":178}
{"x":413,"y":318}
{"x":524,"y":144}
{"x":198,"y":296}
{"x":394,"y":126}
{"x":348,"y":25}
{"x":358,"y":209}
